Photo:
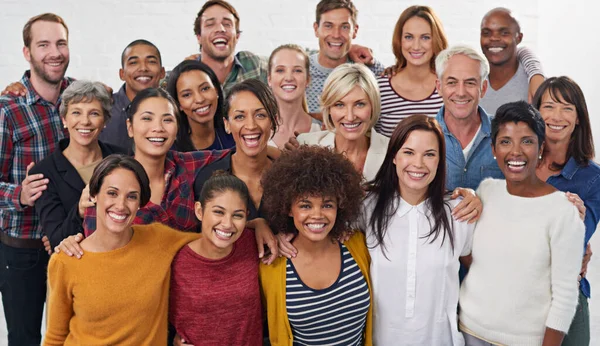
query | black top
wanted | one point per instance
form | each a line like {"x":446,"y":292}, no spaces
{"x":58,"y":207}
{"x":224,"y":164}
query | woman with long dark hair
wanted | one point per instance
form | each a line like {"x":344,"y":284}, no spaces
{"x":567,"y":165}
{"x":198,"y":95}
{"x":414,"y":242}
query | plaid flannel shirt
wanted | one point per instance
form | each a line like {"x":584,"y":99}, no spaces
{"x":30,"y":129}
{"x":176,"y":209}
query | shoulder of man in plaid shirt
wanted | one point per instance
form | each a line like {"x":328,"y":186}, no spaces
{"x":176,"y":209}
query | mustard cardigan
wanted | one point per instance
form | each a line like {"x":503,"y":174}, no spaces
{"x":273,"y":283}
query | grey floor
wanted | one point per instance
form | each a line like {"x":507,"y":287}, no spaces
{"x":593,"y":276}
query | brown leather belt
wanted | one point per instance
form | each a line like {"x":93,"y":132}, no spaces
{"x":20,"y":243}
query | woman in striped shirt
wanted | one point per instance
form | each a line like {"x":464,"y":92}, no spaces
{"x":418,"y":38}
{"x":322,"y":296}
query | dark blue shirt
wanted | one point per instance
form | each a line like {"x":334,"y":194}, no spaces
{"x":585,"y":182}
{"x":115,"y":132}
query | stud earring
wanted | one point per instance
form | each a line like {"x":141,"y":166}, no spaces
{"x":494,"y":157}
{"x":540,"y":157}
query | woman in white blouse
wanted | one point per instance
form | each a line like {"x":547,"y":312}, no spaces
{"x":351,"y":104}
{"x":414,"y":243}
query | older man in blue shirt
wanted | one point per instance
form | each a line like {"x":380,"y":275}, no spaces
{"x":462,"y":74}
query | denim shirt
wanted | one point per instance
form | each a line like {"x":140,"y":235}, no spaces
{"x":585,"y":182}
{"x":480,"y":163}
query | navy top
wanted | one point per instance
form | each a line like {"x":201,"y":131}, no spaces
{"x":224,"y":164}
{"x":335,"y":315}
{"x":585,"y":182}
{"x":115,"y":132}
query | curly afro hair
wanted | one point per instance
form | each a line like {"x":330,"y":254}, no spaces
{"x":311,"y":171}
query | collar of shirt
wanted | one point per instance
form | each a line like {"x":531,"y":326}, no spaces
{"x":570,"y":169}
{"x":406,"y":207}
{"x":32,"y":97}
{"x":121,"y":101}
{"x":486,"y":124}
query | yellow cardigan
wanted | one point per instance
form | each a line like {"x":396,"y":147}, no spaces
{"x":273,"y":283}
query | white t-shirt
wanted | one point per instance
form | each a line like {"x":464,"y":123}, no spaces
{"x":415,"y":289}
{"x":470,"y":145}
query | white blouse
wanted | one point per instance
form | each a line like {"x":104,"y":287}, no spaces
{"x":415,"y":289}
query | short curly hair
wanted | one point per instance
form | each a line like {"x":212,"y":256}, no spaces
{"x":311,"y":171}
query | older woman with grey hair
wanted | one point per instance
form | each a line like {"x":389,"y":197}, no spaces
{"x":84,"y":111}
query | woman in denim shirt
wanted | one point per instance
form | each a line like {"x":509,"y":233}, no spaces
{"x":567,"y":165}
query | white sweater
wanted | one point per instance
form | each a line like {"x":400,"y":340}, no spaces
{"x":526,"y":258}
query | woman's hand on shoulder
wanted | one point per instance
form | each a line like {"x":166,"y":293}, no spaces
{"x":292,"y":143}
{"x":576,"y":200}
{"x":264,"y":236}
{"x":469,"y":209}
{"x":85,"y":201}
{"x":70,"y":245}
{"x":286,"y":249}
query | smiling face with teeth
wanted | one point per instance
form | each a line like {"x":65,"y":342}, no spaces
{"x":117,"y":201}
{"x":417,"y":47}
{"x":249,"y":123}
{"x":352,"y":115}
{"x":197,"y":96}
{"x":84,"y":121}
{"x":560,"y":118}
{"x":517,"y":150}
{"x":288,"y":76}
{"x":461,"y":88}
{"x":417,"y":163}
{"x":48,"y":52}
{"x":218,"y":35}
{"x":314,"y":217}
{"x":223,"y":220}
{"x":499,"y":38}
{"x":153,"y":127}
{"x":141,"y":69}
{"x":335,"y":32}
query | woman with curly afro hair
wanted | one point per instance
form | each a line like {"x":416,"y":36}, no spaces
{"x":323,"y":295}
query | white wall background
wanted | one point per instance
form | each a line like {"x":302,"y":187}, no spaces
{"x":563,"y":33}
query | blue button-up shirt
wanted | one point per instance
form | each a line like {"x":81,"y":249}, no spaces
{"x":480,"y":162}
{"x":585,"y":182}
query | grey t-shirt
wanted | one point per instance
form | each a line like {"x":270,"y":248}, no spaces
{"x":318,"y":75}
{"x":516,"y":89}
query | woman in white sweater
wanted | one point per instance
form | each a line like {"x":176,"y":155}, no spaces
{"x":521,"y":288}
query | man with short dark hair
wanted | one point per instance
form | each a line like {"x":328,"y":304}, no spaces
{"x":509,"y":74}
{"x":30,"y":129}
{"x":217,"y":28}
{"x":335,"y":27}
{"x":141,"y":68}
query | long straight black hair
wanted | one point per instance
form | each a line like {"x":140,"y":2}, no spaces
{"x":385,"y":187}
{"x":184,"y":141}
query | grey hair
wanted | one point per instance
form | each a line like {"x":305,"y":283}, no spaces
{"x":86,"y":91}
{"x":441,"y":61}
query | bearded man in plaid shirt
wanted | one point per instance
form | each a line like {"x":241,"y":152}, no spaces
{"x":30,"y":129}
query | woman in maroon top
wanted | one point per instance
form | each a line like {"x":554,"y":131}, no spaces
{"x":215,"y":297}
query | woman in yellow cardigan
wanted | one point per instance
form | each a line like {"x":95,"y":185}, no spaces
{"x":323,"y":295}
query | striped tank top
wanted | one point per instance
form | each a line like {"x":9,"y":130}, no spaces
{"x":395,"y":108}
{"x":332,"y":316}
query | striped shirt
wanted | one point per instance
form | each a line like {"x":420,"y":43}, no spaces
{"x":30,"y":129}
{"x":395,"y":108}
{"x":332,"y":316}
